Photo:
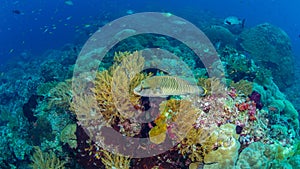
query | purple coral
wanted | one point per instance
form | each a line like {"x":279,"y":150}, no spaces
{"x":256,"y":97}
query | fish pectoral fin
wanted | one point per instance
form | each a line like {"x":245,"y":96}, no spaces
{"x":158,"y":90}
{"x":164,"y":96}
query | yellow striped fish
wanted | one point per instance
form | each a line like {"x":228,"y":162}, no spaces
{"x":163,"y":86}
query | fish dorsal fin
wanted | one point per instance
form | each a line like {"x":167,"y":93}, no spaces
{"x":190,"y":80}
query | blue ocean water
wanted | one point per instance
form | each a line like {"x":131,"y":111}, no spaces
{"x":46,"y":25}
{"x":248,"y":118}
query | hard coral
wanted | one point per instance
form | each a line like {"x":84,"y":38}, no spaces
{"x":226,"y":152}
{"x":254,"y":156}
{"x":270,"y":48}
{"x":259,"y":155}
{"x":220,"y":36}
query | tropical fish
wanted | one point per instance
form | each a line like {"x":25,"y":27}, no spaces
{"x":69,"y":2}
{"x":129,"y":12}
{"x":164,"y":86}
{"x":233,"y":20}
{"x":16,"y":11}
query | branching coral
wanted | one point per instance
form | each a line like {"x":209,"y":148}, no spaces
{"x":191,"y":145}
{"x":115,"y":161}
{"x":46,"y":160}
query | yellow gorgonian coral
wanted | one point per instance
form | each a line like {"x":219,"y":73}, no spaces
{"x":114,"y":87}
{"x":115,"y":161}
{"x":178,"y":113}
{"x":184,"y":118}
{"x":192,"y":146}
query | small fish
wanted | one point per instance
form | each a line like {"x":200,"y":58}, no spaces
{"x":18,"y":12}
{"x":164,"y":86}
{"x":69,"y":2}
{"x":168,"y":14}
{"x":233,"y":20}
{"x":87,"y":25}
{"x":129,"y":12}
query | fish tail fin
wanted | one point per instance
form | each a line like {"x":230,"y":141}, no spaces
{"x":243,"y":23}
{"x":205,"y":91}
{"x":202,"y":90}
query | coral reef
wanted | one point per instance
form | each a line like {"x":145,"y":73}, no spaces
{"x":114,"y":88}
{"x":212,"y":86}
{"x":68,"y":136}
{"x":52,"y":71}
{"x":242,"y":121}
{"x":60,"y":96}
{"x":237,"y":65}
{"x":46,"y":160}
{"x":242,"y":87}
{"x":260,"y":155}
{"x":220,"y":36}
{"x":227,"y":145}
{"x":115,"y":161}
{"x":270,"y":48}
